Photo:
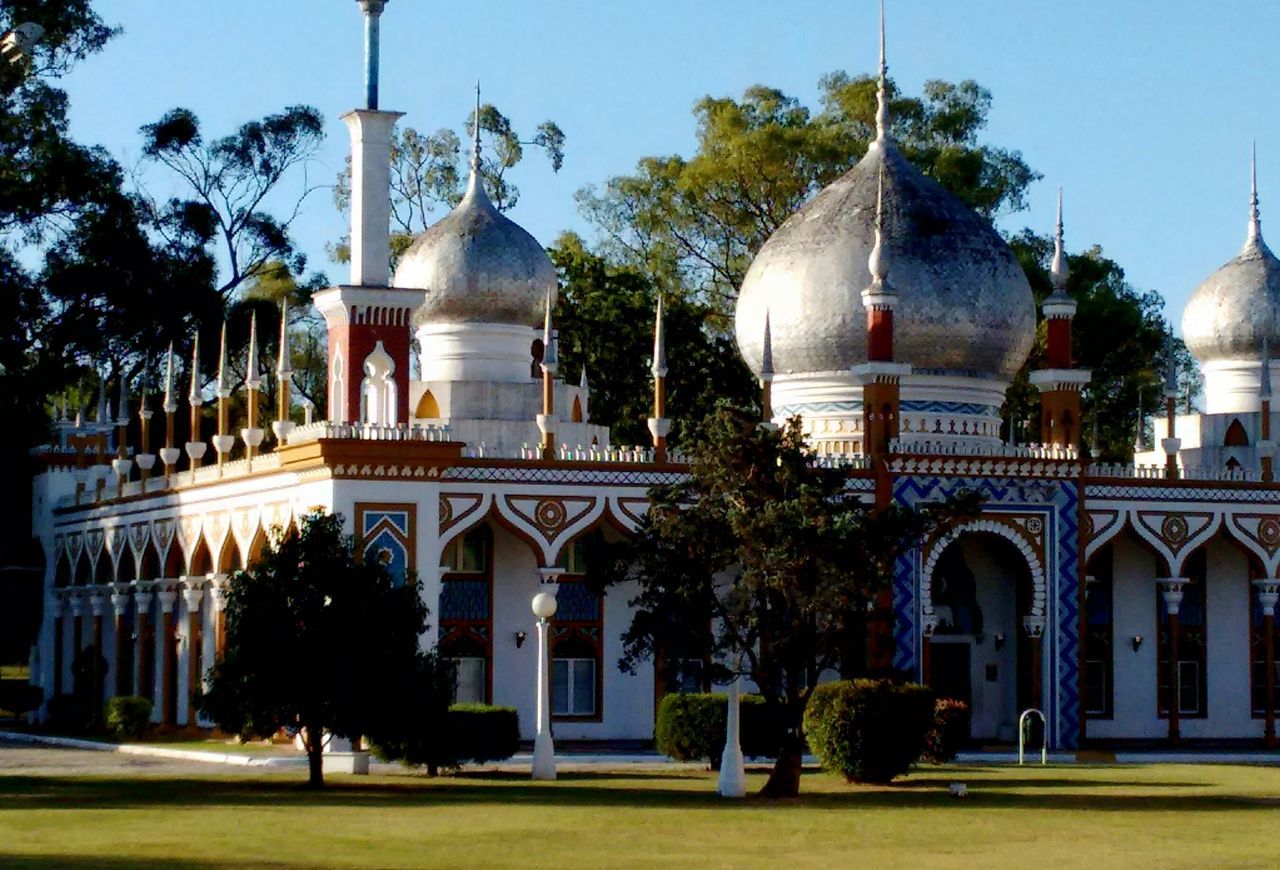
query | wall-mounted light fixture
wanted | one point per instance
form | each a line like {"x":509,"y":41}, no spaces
{"x":1136,"y":640}
{"x":520,"y":639}
{"x":979,"y":638}
{"x":999,"y":641}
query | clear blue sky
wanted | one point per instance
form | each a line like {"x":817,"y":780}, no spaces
{"x":1142,"y":109}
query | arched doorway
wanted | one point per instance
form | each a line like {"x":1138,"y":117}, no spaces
{"x":981,"y":589}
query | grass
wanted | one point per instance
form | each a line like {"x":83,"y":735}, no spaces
{"x":1165,"y":816}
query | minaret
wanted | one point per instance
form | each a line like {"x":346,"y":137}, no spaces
{"x":550,"y":365}
{"x":283,"y":425}
{"x":766,"y":373}
{"x":367,"y":320}
{"x":252,"y":434}
{"x":1266,"y":448}
{"x":881,"y":376}
{"x":196,"y":446}
{"x":223,"y":441}
{"x":659,"y":425}
{"x":1171,"y":444}
{"x":145,"y":458}
{"x":122,"y":418}
{"x":1060,"y":384}
{"x":169,"y":454}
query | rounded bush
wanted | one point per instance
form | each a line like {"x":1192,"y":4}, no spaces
{"x":128,"y":716}
{"x":480,"y":733}
{"x":691,"y":727}
{"x":868,"y":730}
{"x":950,"y":731}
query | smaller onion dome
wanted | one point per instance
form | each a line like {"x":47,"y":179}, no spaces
{"x":477,"y":265}
{"x":1237,"y":308}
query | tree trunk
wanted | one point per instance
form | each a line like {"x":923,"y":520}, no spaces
{"x":315,"y":756}
{"x":784,"y":779}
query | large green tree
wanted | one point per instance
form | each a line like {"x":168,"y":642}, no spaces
{"x":318,"y":640}
{"x":764,"y":561}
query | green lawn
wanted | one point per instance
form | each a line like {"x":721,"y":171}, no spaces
{"x":1167,"y":816}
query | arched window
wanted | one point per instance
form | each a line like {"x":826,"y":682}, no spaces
{"x":466,"y":614}
{"x":1236,"y":436}
{"x":378,"y":391}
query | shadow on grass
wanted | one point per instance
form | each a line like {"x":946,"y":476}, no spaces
{"x":578,"y":790}
{"x":83,"y":862}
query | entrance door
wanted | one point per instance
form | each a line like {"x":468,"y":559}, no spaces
{"x":950,"y":672}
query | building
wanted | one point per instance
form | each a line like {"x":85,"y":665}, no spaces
{"x":1125,"y":602}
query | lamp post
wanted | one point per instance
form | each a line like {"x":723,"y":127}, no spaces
{"x":733,"y":774}
{"x":544,"y":752}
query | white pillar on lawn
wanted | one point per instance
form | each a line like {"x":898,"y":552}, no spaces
{"x":544,"y":751}
{"x":733,"y":773}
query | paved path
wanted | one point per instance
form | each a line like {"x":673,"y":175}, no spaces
{"x":20,"y":760}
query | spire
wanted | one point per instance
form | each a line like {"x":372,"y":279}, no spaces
{"x":659,"y":367}
{"x":194,"y":397}
{"x":123,"y":407}
{"x":146,"y":384}
{"x":224,"y":375}
{"x":252,"y":375}
{"x":550,"y":354}
{"x":372,"y":10}
{"x":582,"y":381}
{"x":1264,"y":387}
{"x":878,"y":261}
{"x":882,"y":91}
{"x":1170,"y":372}
{"x":102,"y":398}
{"x":766,"y":352}
{"x":284,"y":366}
{"x":1255,"y":222}
{"x":170,"y":404}
{"x":1059,"y":271}
{"x":475,"y":183}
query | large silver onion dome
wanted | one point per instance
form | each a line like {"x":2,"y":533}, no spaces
{"x":478,"y":266}
{"x":1238,"y":306}
{"x":964,"y":304}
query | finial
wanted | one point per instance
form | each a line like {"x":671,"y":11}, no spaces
{"x":102,"y":398}
{"x":146,"y":384}
{"x":475,"y":184}
{"x":882,"y":92}
{"x":284,"y":366}
{"x":372,"y":10}
{"x":1170,"y":371}
{"x":170,"y":404}
{"x":1059,"y":271}
{"x":766,"y":350}
{"x":582,"y":381}
{"x":550,"y":354}
{"x":252,"y":376}
{"x":659,"y":367}
{"x":195,"y":397}
{"x":1264,"y":388}
{"x":123,"y":407}
{"x":1255,"y":221}
{"x":878,"y":261}
{"x":224,"y":379}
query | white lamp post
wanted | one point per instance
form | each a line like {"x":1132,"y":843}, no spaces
{"x":733,"y":772}
{"x":544,"y":751}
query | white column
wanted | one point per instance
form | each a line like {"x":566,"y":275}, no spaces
{"x":167,"y":595}
{"x":371,"y":134}
{"x":119,"y":607}
{"x":142,"y":599}
{"x":732,"y":782}
{"x":192,"y":593}
{"x":544,"y":752}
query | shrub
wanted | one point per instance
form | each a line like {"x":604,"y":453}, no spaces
{"x":691,"y":727}
{"x":480,"y":733}
{"x":950,"y":731}
{"x":868,"y":730}
{"x":474,"y":733}
{"x":128,"y":716}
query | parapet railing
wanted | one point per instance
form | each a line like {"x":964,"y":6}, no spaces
{"x":366,"y":432}
{"x":1128,"y":471}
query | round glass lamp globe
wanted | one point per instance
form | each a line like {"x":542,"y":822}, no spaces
{"x":544,"y":605}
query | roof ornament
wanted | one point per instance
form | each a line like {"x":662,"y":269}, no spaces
{"x":102,"y":398}
{"x":582,"y":381}
{"x":195,"y":397}
{"x":253,"y":375}
{"x":882,"y":91}
{"x":1255,"y":221}
{"x":1060,"y":272}
{"x":659,"y":367}
{"x":123,"y":407}
{"x":170,"y":404}
{"x":475,"y":183}
{"x":550,"y":354}
{"x":766,"y":353}
{"x":284,"y":366}
{"x":1264,"y":388}
{"x":224,"y":373}
{"x":878,"y":261}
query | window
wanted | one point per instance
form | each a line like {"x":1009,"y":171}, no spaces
{"x":573,"y":687}
{"x":466,"y":613}
{"x":1193,"y":696}
{"x":1099,"y":640}
{"x":470,"y":685}
{"x":688,"y":676}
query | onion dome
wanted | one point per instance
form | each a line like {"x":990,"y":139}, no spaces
{"x":477,"y":265}
{"x":964,"y":304}
{"x":1237,"y":308}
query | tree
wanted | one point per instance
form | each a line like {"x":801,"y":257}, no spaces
{"x":762,"y":561}
{"x":598,"y":300}
{"x":429,"y":172}
{"x":1119,"y":334}
{"x":228,"y":181}
{"x":317,"y":640}
{"x":693,"y":224}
